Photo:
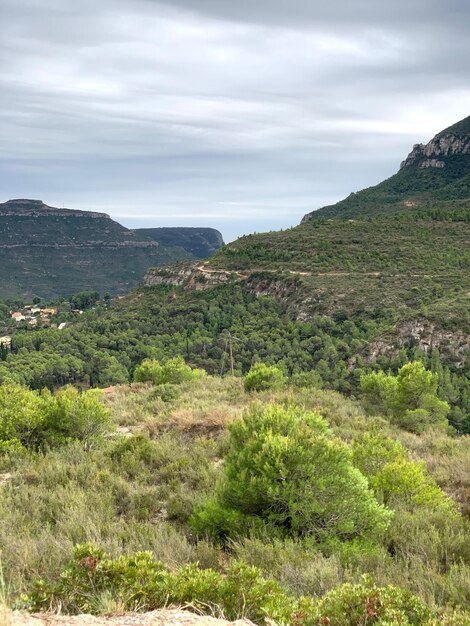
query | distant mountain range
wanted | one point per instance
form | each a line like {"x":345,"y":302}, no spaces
{"x":433,"y":176}
{"x":50,"y":252}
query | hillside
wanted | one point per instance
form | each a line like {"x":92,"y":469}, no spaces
{"x":114,"y":505}
{"x":200,"y":242}
{"x":433,"y":176}
{"x":398,"y":269}
{"x":51,"y":252}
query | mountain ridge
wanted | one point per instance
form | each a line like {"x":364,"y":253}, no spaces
{"x":52,"y":252}
{"x":435,"y":174}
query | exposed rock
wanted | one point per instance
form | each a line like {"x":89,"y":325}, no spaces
{"x":425,"y":336}
{"x":426,"y":155}
{"x":431,"y":163}
{"x":198,"y":277}
{"x":167,"y":617}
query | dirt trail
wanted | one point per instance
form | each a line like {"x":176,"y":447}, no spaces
{"x":167,"y":617}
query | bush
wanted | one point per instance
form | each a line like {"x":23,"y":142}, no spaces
{"x":73,"y":415}
{"x":262,"y":377}
{"x":285,"y":469}
{"x":396,"y":480}
{"x":409,"y":399}
{"x":364,"y":603}
{"x":35,"y":419}
{"x":175,"y":371}
{"x":139,"y":582}
{"x":168,"y":392}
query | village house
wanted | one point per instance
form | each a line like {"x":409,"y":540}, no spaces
{"x":5,"y":341}
{"x":49,"y":311}
{"x":18,"y":316}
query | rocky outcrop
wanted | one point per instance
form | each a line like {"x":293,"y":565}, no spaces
{"x":426,"y":336}
{"x":198,"y":277}
{"x":167,"y":617}
{"x":430,"y":154}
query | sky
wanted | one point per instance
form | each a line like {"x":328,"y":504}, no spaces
{"x":242,"y":115}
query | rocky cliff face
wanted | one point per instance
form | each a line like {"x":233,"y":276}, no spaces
{"x":432,"y":153}
{"x":37,"y":208}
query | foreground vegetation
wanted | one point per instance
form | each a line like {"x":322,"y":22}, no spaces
{"x":105,"y":345}
{"x":260,"y":503}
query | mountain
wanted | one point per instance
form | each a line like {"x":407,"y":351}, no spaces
{"x":398,"y":253}
{"x":50,"y":252}
{"x":200,"y":242}
{"x":434,"y":176}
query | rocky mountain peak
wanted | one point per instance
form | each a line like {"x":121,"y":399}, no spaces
{"x":452,"y":141}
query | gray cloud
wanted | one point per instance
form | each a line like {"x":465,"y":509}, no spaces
{"x":240,"y":115}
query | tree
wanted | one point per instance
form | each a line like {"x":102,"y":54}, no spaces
{"x":286,"y":470}
{"x":409,"y":399}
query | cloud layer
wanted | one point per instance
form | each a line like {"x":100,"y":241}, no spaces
{"x":240,"y":115}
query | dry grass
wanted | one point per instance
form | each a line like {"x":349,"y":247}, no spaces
{"x":5,"y":613}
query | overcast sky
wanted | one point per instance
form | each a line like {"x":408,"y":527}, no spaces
{"x":238,"y":114}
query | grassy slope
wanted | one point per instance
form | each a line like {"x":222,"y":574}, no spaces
{"x":127,"y":501}
{"x":409,"y":266}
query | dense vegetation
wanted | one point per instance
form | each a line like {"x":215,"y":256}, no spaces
{"x":105,"y":345}
{"x":403,"y":266}
{"x":312,"y":495}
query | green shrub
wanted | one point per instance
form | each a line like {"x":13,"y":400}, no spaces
{"x":262,"y":377}
{"x":364,"y":603}
{"x":168,"y":392}
{"x":139,"y":582}
{"x":21,"y":415}
{"x":70,"y":414}
{"x":284,"y":468}
{"x":396,"y":480}
{"x":409,"y":399}
{"x":36,"y":419}
{"x":174,"y":371}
